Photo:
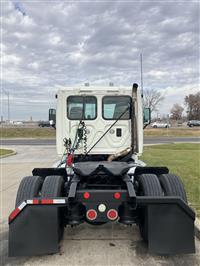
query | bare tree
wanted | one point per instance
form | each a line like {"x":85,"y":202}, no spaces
{"x":176,"y":111}
{"x":192,"y":102}
{"x":152,"y":99}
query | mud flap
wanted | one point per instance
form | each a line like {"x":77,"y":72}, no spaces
{"x":170,"y":228}
{"x":35,"y":231}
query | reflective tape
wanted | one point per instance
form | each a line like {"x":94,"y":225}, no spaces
{"x":14,"y":214}
{"x":59,"y":201}
{"x":34,"y":202}
{"x":47,"y":201}
{"x":22,"y":205}
{"x":29,"y":201}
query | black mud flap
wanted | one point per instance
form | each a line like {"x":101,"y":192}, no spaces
{"x":170,"y":227}
{"x":35,"y":231}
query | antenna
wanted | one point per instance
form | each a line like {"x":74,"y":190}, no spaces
{"x":141,"y":74}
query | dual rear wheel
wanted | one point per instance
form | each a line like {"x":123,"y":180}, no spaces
{"x":151,"y":185}
{"x":34,"y":187}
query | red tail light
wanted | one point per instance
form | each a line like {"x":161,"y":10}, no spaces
{"x":91,"y":214}
{"x":86,"y":195}
{"x":112,"y":214}
{"x":117,"y":195}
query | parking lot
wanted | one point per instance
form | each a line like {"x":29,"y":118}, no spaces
{"x":110,"y":244}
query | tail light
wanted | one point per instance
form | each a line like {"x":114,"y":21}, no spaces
{"x":117,"y":195}
{"x":112,"y":214}
{"x":86,"y":195}
{"x":91,"y":214}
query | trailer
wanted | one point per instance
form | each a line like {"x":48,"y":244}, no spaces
{"x":100,"y":179}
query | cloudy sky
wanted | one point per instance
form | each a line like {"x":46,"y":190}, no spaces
{"x":49,"y":43}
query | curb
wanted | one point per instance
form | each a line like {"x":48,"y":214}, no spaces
{"x":7,"y":155}
{"x":197,"y":228}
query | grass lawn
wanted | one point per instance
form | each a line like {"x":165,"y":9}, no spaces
{"x":5,"y":152}
{"x":182,"y":160}
{"x":51,"y":132}
{"x":172,"y":132}
{"x":27,"y":132}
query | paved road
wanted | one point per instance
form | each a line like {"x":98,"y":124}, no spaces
{"x":53,"y":141}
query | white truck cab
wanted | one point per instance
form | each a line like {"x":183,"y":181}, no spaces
{"x":99,"y":108}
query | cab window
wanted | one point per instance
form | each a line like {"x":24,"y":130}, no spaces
{"x":81,"y":107}
{"x":114,"y":106}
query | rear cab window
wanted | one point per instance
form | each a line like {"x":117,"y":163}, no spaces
{"x":81,"y":107}
{"x":114,"y":106}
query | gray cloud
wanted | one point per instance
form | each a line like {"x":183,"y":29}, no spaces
{"x":55,"y":43}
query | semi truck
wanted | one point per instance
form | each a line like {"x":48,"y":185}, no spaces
{"x":100,"y":178}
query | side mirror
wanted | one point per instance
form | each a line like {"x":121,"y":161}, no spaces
{"x":52,"y":117}
{"x":146,"y":116}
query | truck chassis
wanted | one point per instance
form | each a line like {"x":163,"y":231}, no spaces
{"x":99,"y":192}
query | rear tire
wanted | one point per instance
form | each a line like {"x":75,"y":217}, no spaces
{"x":53,"y":187}
{"x":149,"y":185}
{"x":28,"y":189}
{"x":173,"y":186}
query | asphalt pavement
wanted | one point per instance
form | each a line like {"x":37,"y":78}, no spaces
{"x":152,"y":140}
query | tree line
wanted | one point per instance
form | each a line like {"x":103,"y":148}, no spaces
{"x":153,"y":99}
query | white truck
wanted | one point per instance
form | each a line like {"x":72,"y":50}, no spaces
{"x":99,"y":179}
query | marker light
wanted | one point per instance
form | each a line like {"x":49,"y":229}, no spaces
{"x":117,"y":195}
{"x":86,"y":195}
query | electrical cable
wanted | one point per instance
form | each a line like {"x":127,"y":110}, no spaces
{"x":108,"y":130}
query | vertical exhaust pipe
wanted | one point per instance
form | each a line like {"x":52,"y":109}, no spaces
{"x":134,"y":144}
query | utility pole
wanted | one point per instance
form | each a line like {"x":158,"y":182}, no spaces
{"x":8,"y":95}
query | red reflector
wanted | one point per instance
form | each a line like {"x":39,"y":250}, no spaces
{"x":46,"y":201}
{"x":86,"y":195}
{"x":91,"y":214}
{"x":117,"y":195}
{"x":14,"y":214}
{"x":35,"y":201}
{"x":112,"y":214}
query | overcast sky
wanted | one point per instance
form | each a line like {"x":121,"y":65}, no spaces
{"x":51,"y":43}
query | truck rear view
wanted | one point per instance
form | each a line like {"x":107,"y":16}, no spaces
{"x":100,"y":179}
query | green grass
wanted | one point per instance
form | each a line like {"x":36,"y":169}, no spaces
{"x":182,"y":160}
{"x":172,"y":132}
{"x":5,"y":152}
{"x":51,"y":132}
{"x":27,"y":132}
